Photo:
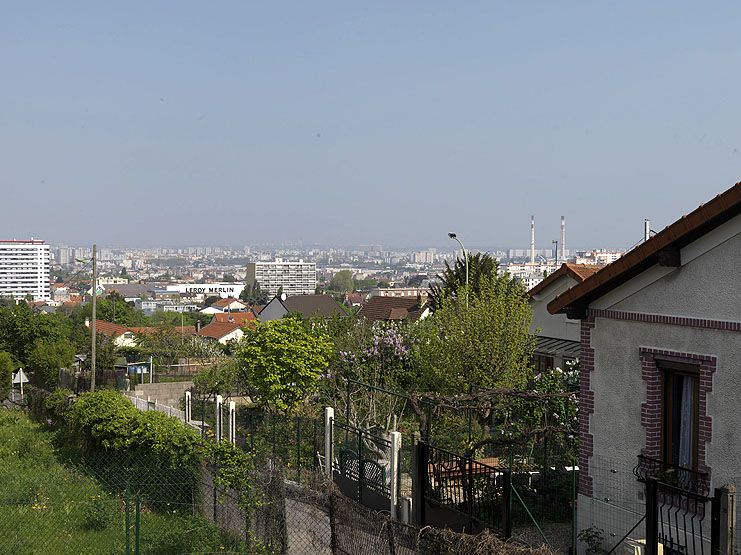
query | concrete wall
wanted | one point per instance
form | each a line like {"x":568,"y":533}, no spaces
{"x":168,"y":393}
{"x":553,"y":325}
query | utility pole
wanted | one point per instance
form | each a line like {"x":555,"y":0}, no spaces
{"x":92,"y":322}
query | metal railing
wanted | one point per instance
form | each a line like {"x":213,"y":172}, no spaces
{"x":685,"y":479}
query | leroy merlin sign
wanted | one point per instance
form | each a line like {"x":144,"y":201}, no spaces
{"x":208,"y":289}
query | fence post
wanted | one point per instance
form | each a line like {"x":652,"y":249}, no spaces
{"x":188,"y":410}
{"x":419,"y":482}
{"x":652,"y":517}
{"x":232,"y":422}
{"x":723,"y":520}
{"x":218,"y":431}
{"x":332,"y":523}
{"x":469,"y":494}
{"x":138,"y":521}
{"x":394,"y":471}
{"x":328,"y":441}
{"x":507,"y":502}
{"x":128,"y":520}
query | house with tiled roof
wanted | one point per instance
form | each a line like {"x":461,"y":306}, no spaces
{"x":557,"y":336}
{"x":660,"y":379}
{"x":230,"y":304}
{"x":223,"y":332}
{"x":240,"y":318}
{"x":308,"y":306}
{"x":126,"y":336}
{"x":388,"y":309}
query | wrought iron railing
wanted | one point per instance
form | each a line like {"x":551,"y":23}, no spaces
{"x":678,"y":477}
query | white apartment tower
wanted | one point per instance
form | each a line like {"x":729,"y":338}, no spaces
{"x":24,"y":269}
{"x":296,"y":278}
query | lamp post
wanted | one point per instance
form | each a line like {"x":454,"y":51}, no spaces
{"x":465,"y":258}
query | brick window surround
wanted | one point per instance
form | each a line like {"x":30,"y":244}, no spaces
{"x":651,"y":409}
{"x":651,"y":413}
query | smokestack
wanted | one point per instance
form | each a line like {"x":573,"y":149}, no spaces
{"x":532,"y":239}
{"x":646,"y":230}
{"x":563,"y":239}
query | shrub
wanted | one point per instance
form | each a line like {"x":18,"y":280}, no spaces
{"x":99,"y":513}
{"x":103,"y":419}
{"x":57,"y":404}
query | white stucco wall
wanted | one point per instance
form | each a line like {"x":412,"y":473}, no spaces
{"x":707,"y":285}
{"x":553,"y":325}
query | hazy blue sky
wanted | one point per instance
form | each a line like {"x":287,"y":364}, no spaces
{"x":356,"y":122}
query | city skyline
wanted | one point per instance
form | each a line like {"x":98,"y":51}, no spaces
{"x":385,"y":123}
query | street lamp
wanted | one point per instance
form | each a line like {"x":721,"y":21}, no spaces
{"x":465,"y":256}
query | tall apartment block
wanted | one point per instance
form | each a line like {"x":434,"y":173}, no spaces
{"x":24,"y":269}
{"x":296,"y":278}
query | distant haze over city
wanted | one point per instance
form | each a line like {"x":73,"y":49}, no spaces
{"x":385,"y":122}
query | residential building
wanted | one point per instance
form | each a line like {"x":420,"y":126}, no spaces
{"x":308,"y":306}
{"x":293,"y":278}
{"x":558,"y":337}
{"x":125,"y":336}
{"x":660,"y":377}
{"x":230,"y":304}
{"x":24,"y":269}
{"x":223,"y":332}
{"x":240,"y":318}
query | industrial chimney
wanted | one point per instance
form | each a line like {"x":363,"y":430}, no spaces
{"x":532,"y":239}
{"x":563,"y":239}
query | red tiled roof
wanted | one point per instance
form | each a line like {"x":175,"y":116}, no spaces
{"x":391,"y":308}
{"x":579,"y":272}
{"x":685,"y":230}
{"x":217,"y":330}
{"x":227,"y":301}
{"x":109,"y":329}
{"x":240,"y":318}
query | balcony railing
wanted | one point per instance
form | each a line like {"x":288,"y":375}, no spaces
{"x":679,"y":477}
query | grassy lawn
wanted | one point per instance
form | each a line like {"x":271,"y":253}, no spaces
{"x":48,"y":507}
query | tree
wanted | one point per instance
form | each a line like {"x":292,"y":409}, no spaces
{"x":221,"y":378}
{"x":7,"y":367}
{"x":21,"y":328}
{"x":46,"y":358}
{"x":342,"y":282}
{"x":228,"y":278}
{"x":372,"y":353}
{"x":283,"y":361}
{"x":484,"y":342}
{"x":210,"y":300}
{"x":480,"y":266}
{"x":253,"y":295}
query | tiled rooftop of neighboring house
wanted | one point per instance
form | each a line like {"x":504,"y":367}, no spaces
{"x":392,"y":308}
{"x":217,"y":330}
{"x":222,"y":303}
{"x":109,"y":329}
{"x":579,"y":272}
{"x":313,"y":305}
{"x":240,"y":318}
